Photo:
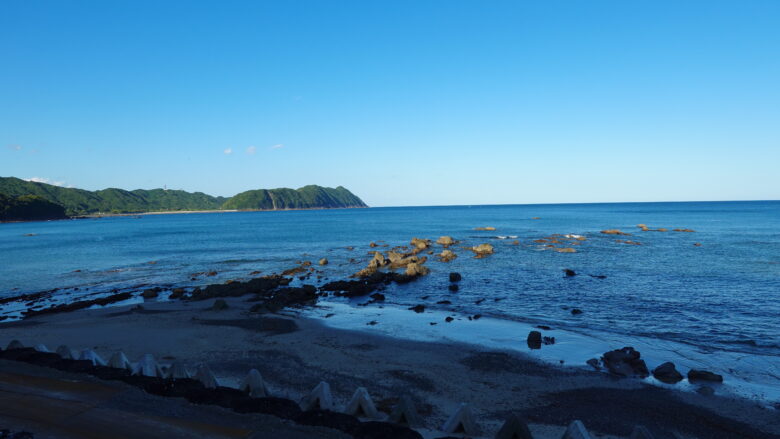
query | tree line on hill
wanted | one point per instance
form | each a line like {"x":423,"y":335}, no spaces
{"x":27,"y":200}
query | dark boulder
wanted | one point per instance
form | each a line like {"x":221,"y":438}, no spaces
{"x":704,"y":375}
{"x":418,"y":308}
{"x":455,"y":277}
{"x":453,"y":287}
{"x":625,"y":362}
{"x":534,"y":340}
{"x":569,"y":273}
{"x":667,"y":373}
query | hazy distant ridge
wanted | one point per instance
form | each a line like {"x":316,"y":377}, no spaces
{"x":83,"y":202}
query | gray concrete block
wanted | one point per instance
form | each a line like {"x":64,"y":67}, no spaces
{"x":319,"y":398}
{"x":204,"y":375}
{"x":361,"y":405}
{"x":147,"y":366}
{"x":461,"y":421}
{"x":15,"y":344}
{"x":178,"y":371}
{"x":576,"y":430}
{"x":93,"y":357}
{"x":118,"y":360}
{"x":640,"y":432}
{"x":514,"y":428}
{"x":405,"y":413}
{"x":66,"y":353}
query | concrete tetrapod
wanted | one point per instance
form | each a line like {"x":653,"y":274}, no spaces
{"x":147,"y":366}
{"x":405,"y":413}
{"x":640,"y":432}
{"x":66,"y":353}
{"x":118,"y":360}
{"x":41,"y":348}
{"x":361,"y":405}
{"x":576,"y":430}
{"x":178,"y":371}
{"x":319,"y":398}
{"x":15,"y":344}
{"x":514,"y":428}
{"x":254,"y":385}
{"x":93,"y":357}
{"x":204,"y":375}
{"x":461,"y":421}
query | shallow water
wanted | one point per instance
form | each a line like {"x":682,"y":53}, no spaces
{"x":720,"y":298}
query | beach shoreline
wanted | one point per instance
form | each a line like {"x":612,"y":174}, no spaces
{"x":295,"y":352}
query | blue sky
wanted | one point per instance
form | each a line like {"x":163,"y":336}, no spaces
{"x":405,"y":103}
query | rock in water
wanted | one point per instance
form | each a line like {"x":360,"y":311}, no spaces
{"x":482,"y":250}
{"x":704,"y":375}
{"x":667,"y":373}
{"x":447,"y":256}
{"x":254,"y":385}
{"x":361,"y":405}
{"x":415,"y":269}
{"x":569,"y":273}
{"x":534,"y":340}
{"x":614,"y":232}
{"x":420,"y":244}
{"x":455,"y":277}
{"x":323,"y":261}
{"x":150,"y":293}
{"x":461,"y":421}
{"x":446,"y":241}
{"x":514,"y":428}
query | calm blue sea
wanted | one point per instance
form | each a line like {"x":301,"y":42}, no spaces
{"x":721,"y":296}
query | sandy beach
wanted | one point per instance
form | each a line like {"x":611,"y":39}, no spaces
{"x":294,"y":353}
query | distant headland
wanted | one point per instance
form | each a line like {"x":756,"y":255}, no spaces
{"x":22,"y":200}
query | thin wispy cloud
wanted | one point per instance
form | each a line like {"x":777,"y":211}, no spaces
{"x":228,"y":151}
{"x":45,"y":180}
{"x":277,"y":146}
{"x":251,"y":150}
{"x":15,"y":147}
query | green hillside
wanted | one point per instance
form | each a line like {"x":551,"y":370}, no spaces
{"x":81,"y":202}
{"x":29,"y":208}
{"x":304,"y":198}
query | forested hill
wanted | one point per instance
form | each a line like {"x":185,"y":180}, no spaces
{"x":29,"y":208}
{"x":82,"y":202}
{"x":306,"y":197}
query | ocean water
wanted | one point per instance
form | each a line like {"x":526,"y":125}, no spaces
{"x":721,"y":298}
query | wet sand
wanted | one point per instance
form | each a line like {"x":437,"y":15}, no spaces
{"x":294,"y":353}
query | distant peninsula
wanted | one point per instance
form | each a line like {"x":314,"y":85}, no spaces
{"x":22,"y":200}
